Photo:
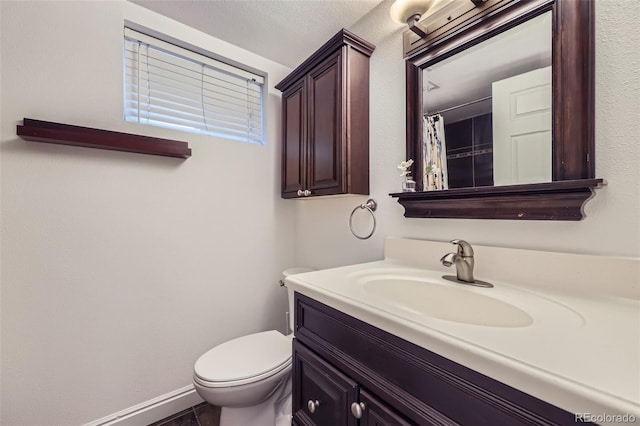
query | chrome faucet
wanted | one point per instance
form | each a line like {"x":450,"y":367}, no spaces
{"x":464,"y":262}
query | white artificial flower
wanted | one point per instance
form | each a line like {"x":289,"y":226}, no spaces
{"x":404,"y":166}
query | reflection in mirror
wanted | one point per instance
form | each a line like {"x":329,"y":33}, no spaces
{"x":487,"y":111}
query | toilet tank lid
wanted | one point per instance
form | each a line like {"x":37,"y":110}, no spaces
{"x":244,"y":357}
{"x":296,"y":270}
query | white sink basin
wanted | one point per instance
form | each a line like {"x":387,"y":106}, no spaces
{"x":423,"y":295}
{"x":448,"y":302}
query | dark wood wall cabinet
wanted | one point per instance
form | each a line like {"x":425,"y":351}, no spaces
{"x":66,"y":134}
{"x":347,"y":372}
{"x":325,"y":121}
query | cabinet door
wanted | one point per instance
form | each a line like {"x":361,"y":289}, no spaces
{"x":294,"y":139}
{"x":322,"y":396}
{"x":325,"y":173}
{"x":376,"y":413}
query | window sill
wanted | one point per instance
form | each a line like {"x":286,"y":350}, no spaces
{"x":65,"y":134}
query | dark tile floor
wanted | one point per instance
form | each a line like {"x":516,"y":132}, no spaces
{"x":201,"y":415}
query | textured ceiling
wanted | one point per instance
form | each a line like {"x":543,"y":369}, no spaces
{"x":285,"y":31}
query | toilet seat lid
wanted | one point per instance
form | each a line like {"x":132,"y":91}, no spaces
{"x":245,"y":357}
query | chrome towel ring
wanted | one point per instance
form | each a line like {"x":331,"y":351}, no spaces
{"x":371,"y":206}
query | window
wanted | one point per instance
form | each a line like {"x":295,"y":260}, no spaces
{"x":170,"y":86}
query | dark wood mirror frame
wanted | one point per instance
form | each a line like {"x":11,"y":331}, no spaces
{"x":573,"y":168}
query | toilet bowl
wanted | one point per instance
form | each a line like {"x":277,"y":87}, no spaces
{"x":249,"y":377}
{"x":246,"y":376}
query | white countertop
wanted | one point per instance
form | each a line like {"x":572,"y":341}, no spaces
{"x":581,"y":352}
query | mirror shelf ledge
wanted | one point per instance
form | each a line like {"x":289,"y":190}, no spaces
{"x":559,"y":200}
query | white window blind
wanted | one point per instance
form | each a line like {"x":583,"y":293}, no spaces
{"x":169,"y":86}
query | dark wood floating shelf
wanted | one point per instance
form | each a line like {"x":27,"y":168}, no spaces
{"x":560,"y":200}
{"x":66,"y":134}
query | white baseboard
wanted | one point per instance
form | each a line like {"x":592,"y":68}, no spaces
{"x":153,"y":410}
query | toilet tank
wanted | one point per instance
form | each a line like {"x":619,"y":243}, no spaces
{"x":285,"y":274}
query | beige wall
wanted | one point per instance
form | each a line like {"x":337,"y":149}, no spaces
{"x":612,"y":225}
{"x":120,"y":269}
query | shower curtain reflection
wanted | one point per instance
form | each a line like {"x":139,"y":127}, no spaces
{"x":434,"y":152}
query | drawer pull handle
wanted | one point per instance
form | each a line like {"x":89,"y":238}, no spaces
{"x":357,"y":409}
{"x":300,"y":193}
{"x":313,"y":405}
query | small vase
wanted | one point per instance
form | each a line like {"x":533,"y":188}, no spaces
{"x":409,"y":185}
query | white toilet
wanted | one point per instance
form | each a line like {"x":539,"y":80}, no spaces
{"x":250,"y":377}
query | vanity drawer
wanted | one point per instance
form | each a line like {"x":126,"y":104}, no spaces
{"x":425,"y":387}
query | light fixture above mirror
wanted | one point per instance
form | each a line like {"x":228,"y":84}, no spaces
{"x":411,"y":12}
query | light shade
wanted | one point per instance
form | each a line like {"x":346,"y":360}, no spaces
{"x":402,"y":10}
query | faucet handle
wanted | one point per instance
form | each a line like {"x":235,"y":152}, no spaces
{"x":464,"y":248}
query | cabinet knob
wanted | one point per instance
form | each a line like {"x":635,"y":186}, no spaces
{"x":300,"y":193}
{"x":313,"y":405}
{"x":307,"y":192}
{"x":357,"y":409}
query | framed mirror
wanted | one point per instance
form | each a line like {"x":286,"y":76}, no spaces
{"x":500,"y":110}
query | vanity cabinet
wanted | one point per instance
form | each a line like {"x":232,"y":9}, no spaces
{"x":325,"y":121}
{"x":347,"y":372}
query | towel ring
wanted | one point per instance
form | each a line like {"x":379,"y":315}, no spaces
{"x":371,"y":206}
